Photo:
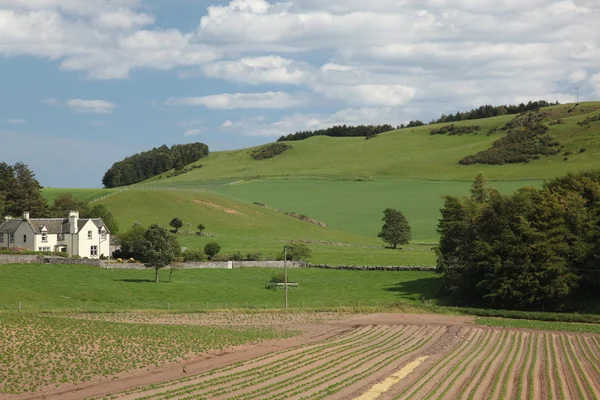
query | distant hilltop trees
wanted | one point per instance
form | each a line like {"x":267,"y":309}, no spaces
{"x":145,"y":165}
{"x":340,"y":131}
{"x":488,"y":111}
{"x":369,"y":131}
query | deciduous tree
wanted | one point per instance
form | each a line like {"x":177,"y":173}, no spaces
{"x":159,"y":248}
{"x":396,"y":229}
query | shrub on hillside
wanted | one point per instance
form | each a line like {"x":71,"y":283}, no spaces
{"x":586,"y":122}
{"x":526,"y":138}
{"x":456,"y":130}
{"x":269,"y":151}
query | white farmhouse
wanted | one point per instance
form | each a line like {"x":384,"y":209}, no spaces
{"x":87,"y":237}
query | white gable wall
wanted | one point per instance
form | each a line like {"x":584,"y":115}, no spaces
{"x":85,"y":243}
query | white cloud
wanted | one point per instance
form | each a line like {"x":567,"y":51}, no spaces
{"x":123,"y":19}
{"x":16,"y":121}
{"x":595,"y":82}
{"x":260,"y":70}
{"x":91,"y":106}
{"x":193,"y":132}
{"x":227,"y":101}
{"x":369,"y":95}
{"x":260,"y":126}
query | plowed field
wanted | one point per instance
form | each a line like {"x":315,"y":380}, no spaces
{"x":406,"y":362}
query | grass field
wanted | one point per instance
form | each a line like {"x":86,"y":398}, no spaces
{"x":540,"y":325}
{"x":240,"y":226}
{"x":75,"y":286}
{"x":357,"y":207}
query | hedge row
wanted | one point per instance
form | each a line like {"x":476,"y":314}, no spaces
{"x":370,"y":268}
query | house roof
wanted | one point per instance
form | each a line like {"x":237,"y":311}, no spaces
{"x":53,"y":225}
{"x":10,"y":226}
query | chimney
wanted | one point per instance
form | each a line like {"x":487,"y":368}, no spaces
{"x":26,"y":215}
{"x":73,"y":217}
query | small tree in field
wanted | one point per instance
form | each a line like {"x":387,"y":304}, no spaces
{"x":396,"y":229}
{"x":176,"y":223}
{"x":159,"y":248}
{"x":211,"y":249}
{"x":298,"y":251}
{"x":201,"y":228}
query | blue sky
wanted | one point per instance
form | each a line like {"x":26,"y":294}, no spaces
{"x":85,"y":83}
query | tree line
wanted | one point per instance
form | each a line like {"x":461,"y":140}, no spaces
{"x":339,"y":131}
{"x":488,"y":111}
{"x":537,"y":249}
{"x":145,"y":165}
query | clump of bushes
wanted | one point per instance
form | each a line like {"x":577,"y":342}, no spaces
{"x":453,"y":130}
{"x":211,"y":249}
{"x":269,"y":151}
{"x":586,"y":122}
{"x":26,"y":252}
{"x":193,"y":255}
{"x":238,"y":257}
{"x":557,"y":122}
{"x":526,"y":139}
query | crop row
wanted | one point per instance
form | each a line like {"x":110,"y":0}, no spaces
{"x":495,"y":364}
{"x":317,"y":371}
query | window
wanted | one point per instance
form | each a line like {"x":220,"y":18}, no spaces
{"x":1,"y":237}
{"x":24,"y":238}
{"x":12,"y":238}
{"x":94,"y":251}
{"x":44,"y":249}
{"x":44,"y":237}
{"x":89,"y":234}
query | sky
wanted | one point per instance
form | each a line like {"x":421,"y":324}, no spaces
{"x":85,"y":83}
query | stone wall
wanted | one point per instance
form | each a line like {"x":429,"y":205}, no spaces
{"x":74,"y":261}
{"x":20,"y":259}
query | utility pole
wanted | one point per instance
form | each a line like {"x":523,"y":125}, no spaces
{"x":577,"y":93}
{"x":285,"y":275}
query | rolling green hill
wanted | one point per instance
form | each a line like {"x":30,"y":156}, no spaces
{"x":347,"y":183}
{"x":411,"y":153}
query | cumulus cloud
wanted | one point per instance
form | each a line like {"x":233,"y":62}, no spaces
{"x":227,"y":101}
{"x":260,"y":70}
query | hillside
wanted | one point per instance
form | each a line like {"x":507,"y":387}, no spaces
{"x":249,"y":228}
{"x":411,"y":153}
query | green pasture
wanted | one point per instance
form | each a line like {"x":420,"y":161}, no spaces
{"x":240,"y":226}
{"x":76,"y":286}
{"x":405,"y":154}
{"x":357,"y":207}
